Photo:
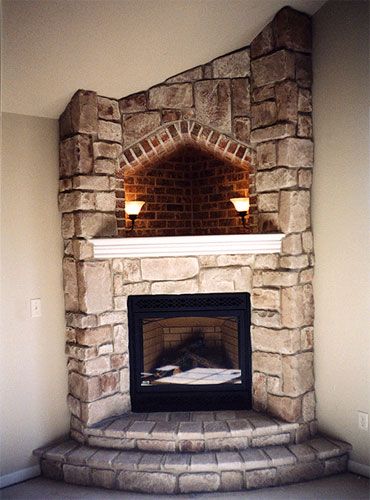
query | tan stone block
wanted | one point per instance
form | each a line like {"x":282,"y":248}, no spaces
{"x":91,"y":182}
{"x":120,"y":303}
{"x":242,"y":129}
{"x":274,"y":386}
{"x":294,"y":262}
{"x":70,"y":285}
{"x":263,"y":43}
{"x":288,"y":409}
{"x":124,"y":380}
{"x":200,"y":482}
{"x":133,"y":103}
{"x":297,"y":306}
{"x":96,"y":366}
{"x":259,"y":395}
{"x":95,"y":286}
{"x":278,"y":131}
{"x":287,"y":101}
{"x":273,"y":68}
{"x":307,"y":241}
{"x":276,"y":179}
{"x":76,"y":200}
{"x":109,"y":131}
{"x":305,"y":101}
{"x":74,"y":405}
{"x":81,"y":320}
{"x":68,"y":248}
{"x":225,"y":279}
{"x":263,"y":114}
{"x":112,"y":317}
{"x":267,"y":363}
{"x":263,"y":93}
{"x":84,"y":112}
{"x":94,"y":412}
{"x":292,"y":244}
{"x":235,"y":65}
{"x":267,"y":261}
{"x":75,"y":156}
{"x":279,"y":278}
{"x":262,"y":478}
{"x":270,"y":319}
{"x":68,"y":226}
{"x":80,"y":353}
{"x":82,"y":249}
{"x":266,"y":298}
{"x":304,"y":126}
{"x":294,"y":214}
{"x":169,"y":268}
{"x":177,"y":95}
{"x":268,"y":223}
{"x":266,"y":155}
{"x":91,"y":225}
{"x":240,"y":91}
{"x":131,"y":270}
{"x":105,"y":166}
{"x":268,"y":202}
{"x":298,"y":374}
{"x":187,"y":76}
{"x":120,"y":338}
{"x":277,"y":341}
{"x":308,"y":406}
{"x":105,"y":202}
{"x":84,"y":388}
{"x":304,"y":178}
{"x":109,"y":382}
{"x":306,"y":276}
{"x":65,"y":185}
{"x":108,"y":109}
{"x":295,"y":153}
{"x":307,"y":338}
{"x":213,"y":103}
{"x":138,"y":125}
{"x":94,"y":336}
{"x":105,"y":349}
{"x":70,"y":334}
{"x":234,"y":260}
{"x":185,"y":286}
{"x":106,"y":150}
{"x":141,"y":288}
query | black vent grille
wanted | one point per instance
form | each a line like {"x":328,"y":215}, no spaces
{"x":210,"y":301}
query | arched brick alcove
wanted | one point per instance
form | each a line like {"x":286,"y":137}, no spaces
{"x":186,"y":173}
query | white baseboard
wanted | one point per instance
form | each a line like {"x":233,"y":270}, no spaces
{"x":363,"y":470}
{"x":19,"y":476}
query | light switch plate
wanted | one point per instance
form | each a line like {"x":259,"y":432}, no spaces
{"x":363,"y":421}
{"x":35,"y":308}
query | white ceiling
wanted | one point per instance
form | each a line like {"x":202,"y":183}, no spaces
{"x":51,"y":48}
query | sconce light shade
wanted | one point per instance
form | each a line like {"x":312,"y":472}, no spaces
{"x":133,"y":207}
{"x":240,"y":204}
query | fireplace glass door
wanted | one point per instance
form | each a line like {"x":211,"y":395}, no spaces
{"x":189,"y":350}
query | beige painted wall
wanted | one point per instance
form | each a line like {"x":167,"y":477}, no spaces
{"x":33,"y":379}
{"x":341,"y":221}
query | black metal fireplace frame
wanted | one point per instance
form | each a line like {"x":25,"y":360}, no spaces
{"x":189,"y":398}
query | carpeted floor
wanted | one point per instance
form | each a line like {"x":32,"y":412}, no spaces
{"x":341,"y":487}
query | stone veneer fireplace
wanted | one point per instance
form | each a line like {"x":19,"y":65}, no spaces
{"x":246,"y":114}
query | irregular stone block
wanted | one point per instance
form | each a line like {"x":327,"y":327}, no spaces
{"x":292,"y":30}
{"x":105,"y":166}
{"x":273,"y":68}
{"x":292,"y":244}
{"x":112,"y":317}
{"x":287,"y":101}
{"x":294,"y":213}
{"x":263,"y":478}
{"x":307,"y":241}
{"x":108,"y":109}
{"x":191,"y":75}
{"x":96,"y":366}
{"x":106,"y":150}
{"x":266,"y":155}
{"x":220,"y":279}
{"x":280,"y":455}
{"x":303,"y":69}
{"x":147,"y":482}
{"x":295,"y":153}
{"x":76,"y":475}
{"x":185,"y":286}
{"x":95,"y":286}
{"x":76,"y":200}
{"x":279,"y":278}
{"x":197,"y":483}
{"x":273,"y":442}
{"x":263,"y":43}
{"x":305,"y":178}
{"x":75,"y":156}
{"x":242,"y":129}
{"x":94,"y":412}
{"x":268,"y":261}
{"x":133,"y":103}
{"x":138,"y":125}
{"x":297,"y":306}
{"x":300,"y":472}
{"x":170,"y":268}
{"x":276,"y":179}
{"x":304,"y":126}
{"x":263,"y":114}
{"x":83,"y":388}
{"x":263,"y":93}
{"x":109,"y":131}
{"x":91,"y":182}
{"x":278,"y":131}
{"x":173,"y":96}
{"x":109,"y":382}
{"x":289,"y":409}
{"x":276,"y":341}
{"x":270,"y":319}
{"x":120,"y":338}
{"x":70,"y":285}
{"x":233,"y":260}
{"x":307,"y":338}
{"x":105,"y":202}
{"x":81,"y":114}
{"x":268,"y":202}
{"x":82,"y":249}
{"x":235,"y":65}
{"x":259,"y":392}
{"x":303,"y":452}
{"x":294,"y":262}
{"x":240,"y":91}
{"x":305,"y":101}
{"x":213,"y":103}
{"x":91,"y":225}
{"x":266,"y":299}
{"x":308,"y":406}
{"x":298,"y":374}
{"x":68,"y":226}
{"x":231,"y":481}
{"x":267,"y":363}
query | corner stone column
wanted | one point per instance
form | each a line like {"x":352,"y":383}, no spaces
{"x":91,"y":141}
{"x":281,"y":125}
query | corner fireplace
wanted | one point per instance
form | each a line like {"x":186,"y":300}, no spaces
{"x":190,"y":351}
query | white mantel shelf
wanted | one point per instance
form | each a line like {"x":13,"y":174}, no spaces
{"x":176,"y":246}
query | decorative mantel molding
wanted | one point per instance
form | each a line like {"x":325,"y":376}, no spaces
{"x":171,"y":246}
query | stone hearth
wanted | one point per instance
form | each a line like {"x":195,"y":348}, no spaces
{"x":244,"y":119}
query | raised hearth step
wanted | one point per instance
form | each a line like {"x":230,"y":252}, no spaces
{"x":161,"y":473}
{"x":191,"y":431}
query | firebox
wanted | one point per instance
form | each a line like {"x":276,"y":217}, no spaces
{"x":190,"y":352}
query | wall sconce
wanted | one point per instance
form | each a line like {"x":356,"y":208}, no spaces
{"x":132,"y":209}
{"x":241,"y":206}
